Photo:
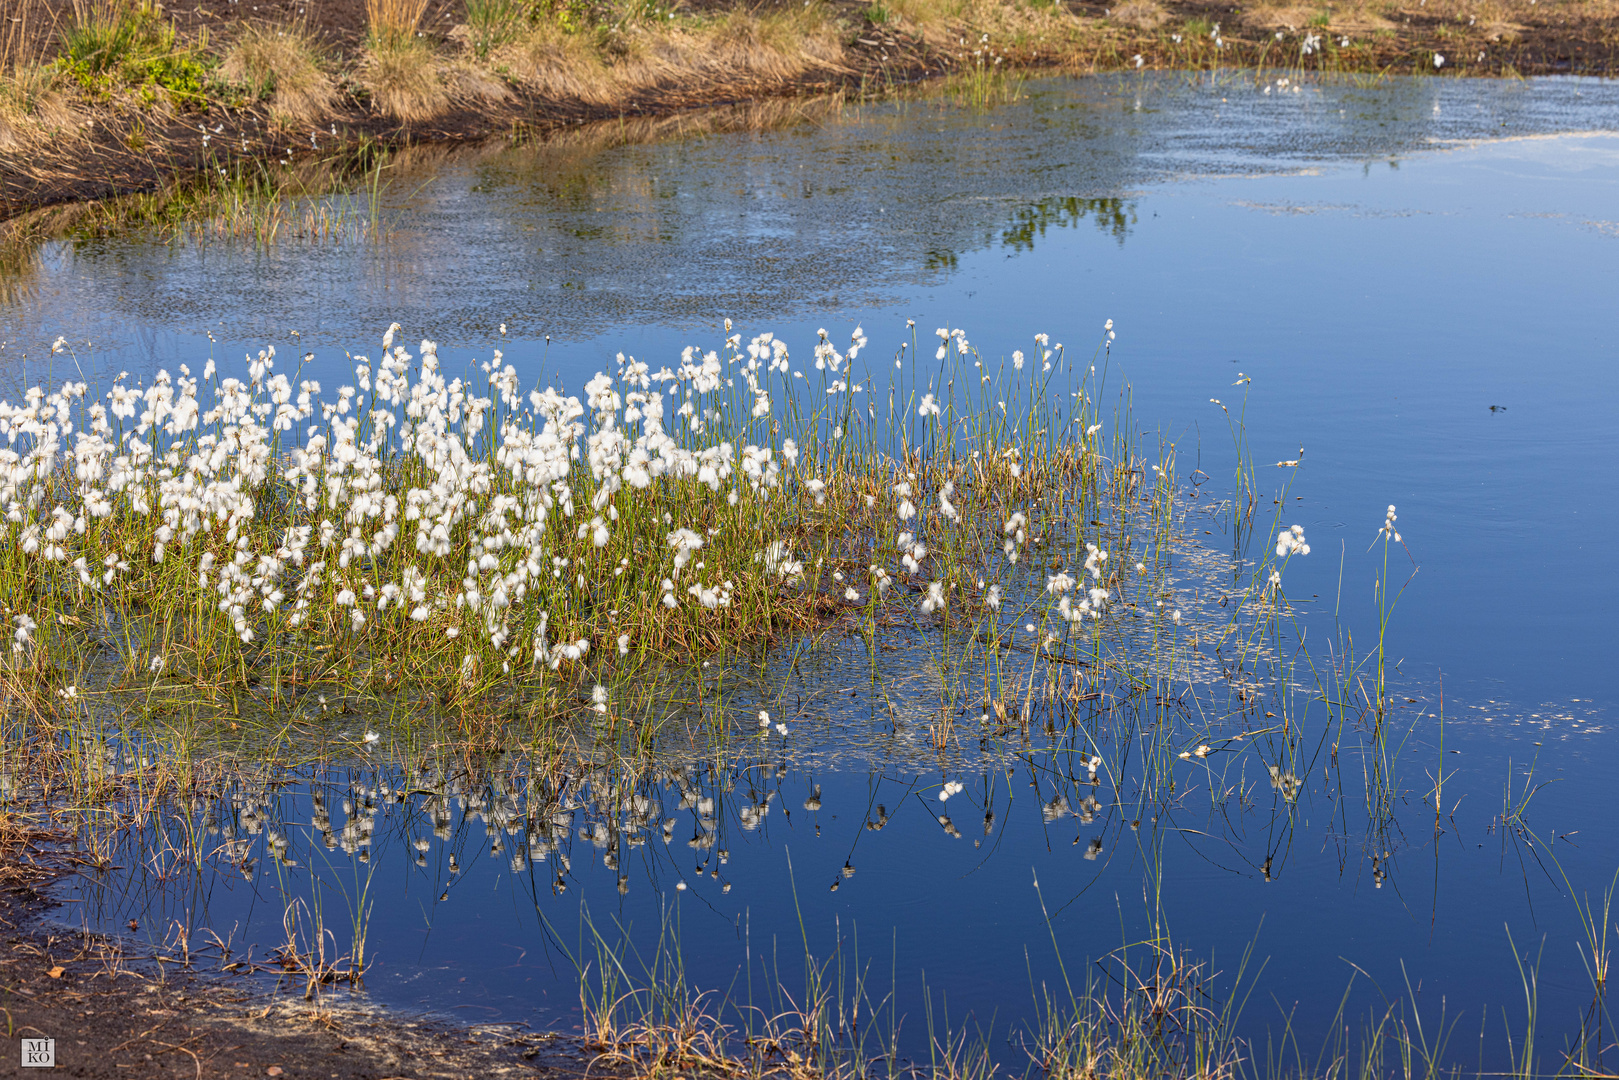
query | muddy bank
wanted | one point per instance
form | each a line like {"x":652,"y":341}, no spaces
{"x":115,"y":1013}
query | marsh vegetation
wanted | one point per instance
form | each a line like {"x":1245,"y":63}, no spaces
{"x":466,"y":628}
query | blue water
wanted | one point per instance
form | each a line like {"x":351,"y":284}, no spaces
{"x":1385,"y":264}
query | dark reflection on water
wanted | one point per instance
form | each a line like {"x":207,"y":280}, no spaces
{"x":1114,"y":216}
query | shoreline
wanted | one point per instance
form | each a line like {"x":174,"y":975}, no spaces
{"x":111,"y":1010}
{"x":86,"y":140}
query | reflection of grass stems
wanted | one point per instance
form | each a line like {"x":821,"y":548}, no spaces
{"x":1523,"y":1057}
{"x":1592,"y":924}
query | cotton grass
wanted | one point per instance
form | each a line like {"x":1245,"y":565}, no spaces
{"x":470,"y":534}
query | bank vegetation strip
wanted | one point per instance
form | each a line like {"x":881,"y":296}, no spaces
{"x":109,"y":97}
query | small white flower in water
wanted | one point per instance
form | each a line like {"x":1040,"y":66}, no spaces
{"x":850,"y":595}
{"x":1438,"y":60}
{"x":1138,"y":60}
{"x":1388,"y":525}
{"x":371,"y":737}
{"x":69,"y":692}
{"x":502,"y":329}
{"x":623,"y":644}
{"x":781,"y":729}
{"x":1290,"y":541}
{"x":1176,"y":616}
{"x":680,"y":886}
{"x":598,"y":698}
{"x":954,"y":787}
{"x":764,"y":718}
{"x":58,"y":345}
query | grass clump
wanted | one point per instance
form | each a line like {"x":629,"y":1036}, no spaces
{"x":281,"y":66}
{"x":402,"y":75}
{"x":109,"y":45}
{"x":492,"y":24}
{"x":1141,"y":14}
{"x":634,"y":55}
{"x":878,"y":15}
{"x":400,"y":68}
{"x":389,"y":22}
{"x":31,"y":107}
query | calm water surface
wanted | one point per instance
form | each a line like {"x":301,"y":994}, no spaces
{"x":1386,"y":263}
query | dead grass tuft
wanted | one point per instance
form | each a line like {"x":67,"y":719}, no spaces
{"x":623,"y":63}
{"x":394,"y":22}
{"x":403,"y":78}
{"x":1141,"y":14}
{"x":1345,"y":18}
{"x":475,"y":86}
{"x":777,"y":44}
{"x":281,"y":64}
{"x":32,"y":111}
{"x":959,"y":26}
{"x":557,"y":65}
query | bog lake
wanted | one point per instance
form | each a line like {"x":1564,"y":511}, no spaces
{"x":1417,"y":275}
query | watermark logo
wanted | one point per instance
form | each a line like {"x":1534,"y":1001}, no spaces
{"x":39,"y":1053}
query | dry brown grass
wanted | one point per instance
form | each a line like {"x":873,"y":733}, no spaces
{"x":402,"y":75}
{"x":32,"y":111}
{"x":959,"y":26}
{"x":1351,"y":18}
{"x":394,"y":21}
{"x":473,"y":85}
{"x":1141,"y":14}
{"x":557,"y":65}
{"x":282,"y":65}
{"x":693,"y":57}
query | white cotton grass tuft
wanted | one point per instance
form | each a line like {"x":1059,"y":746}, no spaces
{"x":1388,"y":531}
{"x":1290,"y":541}
{"x":517,"y":532}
